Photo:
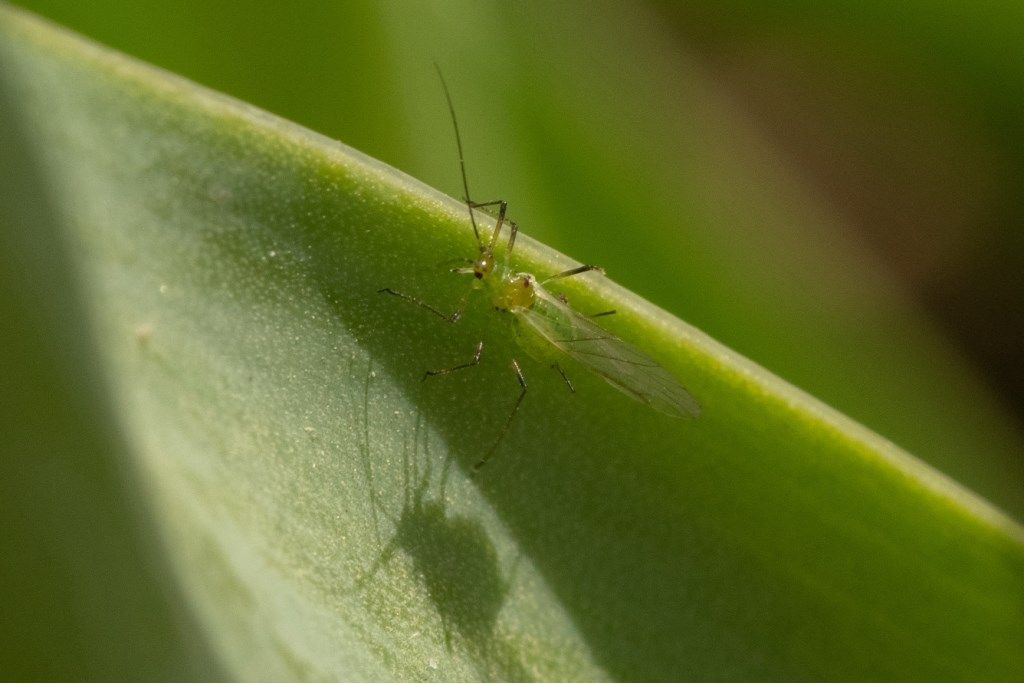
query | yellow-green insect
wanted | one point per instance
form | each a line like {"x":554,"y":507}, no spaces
{"x":546,"y":320}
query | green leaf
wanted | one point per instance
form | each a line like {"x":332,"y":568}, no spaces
{"x":314,"y":498}
{"x":614,"y":144}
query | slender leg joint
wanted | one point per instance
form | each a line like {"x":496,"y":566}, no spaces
{"x":508,"y":421}
{"x":451,"y":318}
{"x":502,"y":209}
{"x":574,"y":271}
{"x":564,"y":377}
{"x":468,"y":364}
{"x":481,"y":205}
{"x":565,"y":300}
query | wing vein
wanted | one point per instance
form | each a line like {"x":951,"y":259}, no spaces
{"x":623,"y":366}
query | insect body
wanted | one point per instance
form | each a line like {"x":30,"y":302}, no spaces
{"x":551,"y":323}
{"x":617,"y":362}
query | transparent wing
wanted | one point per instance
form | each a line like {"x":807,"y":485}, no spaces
{"x":616,"y":361}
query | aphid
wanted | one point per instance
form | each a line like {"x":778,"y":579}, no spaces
{"x":545,"y":324}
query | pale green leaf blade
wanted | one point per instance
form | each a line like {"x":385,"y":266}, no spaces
{"x":313,"y":495}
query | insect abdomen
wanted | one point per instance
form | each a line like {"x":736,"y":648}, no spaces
{"x":515,"y":293}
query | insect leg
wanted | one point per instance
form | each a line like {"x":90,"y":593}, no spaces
{"x":574,"y":271}
{"x":508,"y":421}
{"x":481,"y":205}
{"x":511,"y":238}
{"x":565,"y":300}
{"x":451,"y":318}
{"x":513,"y":226}
{"x":564,"y":377}
{"x":502,"y":208}
{"x":469,"y":364}
{"x":501,"y":218}
{"x":451,"y":263}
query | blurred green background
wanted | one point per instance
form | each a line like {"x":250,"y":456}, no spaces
{"x":832,"y":190}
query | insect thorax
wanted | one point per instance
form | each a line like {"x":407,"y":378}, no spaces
{"x":483,"y":265}
{"x":514,"y":292}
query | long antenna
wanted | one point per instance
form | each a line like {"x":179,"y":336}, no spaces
{"x":462,"y":158}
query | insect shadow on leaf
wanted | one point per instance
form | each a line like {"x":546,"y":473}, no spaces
{"x":451,"y":556}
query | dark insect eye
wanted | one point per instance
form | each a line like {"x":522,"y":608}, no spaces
{"x":478,"y":274}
